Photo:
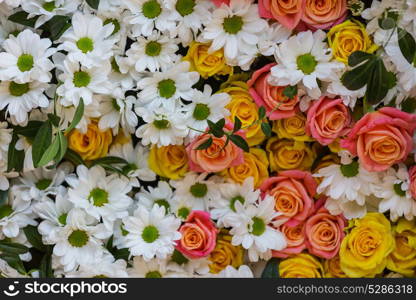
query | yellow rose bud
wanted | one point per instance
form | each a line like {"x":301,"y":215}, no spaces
{"x":255,"y":165}
{"x":288,"y":154}
{"x":365,"y":248}
{"x":243,"y":107}
{"x":403,"y":259}
{"x":348,"y":37}
{"x":332,"y":268}
{"x":91,"y":145}
{"x":300,"y":266}
{"x":207,"y":64}
{"x":292,"y":128}
{"x":169,"y":161}
{"x":225,"y":254}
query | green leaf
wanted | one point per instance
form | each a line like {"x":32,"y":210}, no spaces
{"x":4,"y":196}
{"x":45,"y":268}
{"x":220,"y":123}
{"x":378,"y":85}
{"x":409,"y":105}
{"x":74,"y":157}
{"x":12,"y":248}
{"x":79,"y":112}
{"x":93,"y":3}
{"x":42,"y":141}
{"x":407,"y":45}
{"x":63,"y":146}
{"x":34,"y":238}
{"x":205,"y":144}
{"x":15,"y":262}
{"x":54,"y":119}
{"x":271,"y":270}
{"x":358,"y":77}
{"x":262,"y":112}
{"x":239,"y":142}
{"x":387,"y":23}
{"x":237,"y":124}
{"x":21,"y":17}
{"x":50,"y":153}
{"x":290,"y":91}
{"x":267,"y":130}
{"x":15,"y":158}
{"x":358,"y":57}
{"x":109,"y":160}
{"x":28,"y":131}
{"x":57,"y":26}
{"x":215,"y":129}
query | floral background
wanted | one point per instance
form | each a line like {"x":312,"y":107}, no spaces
{"x":198,"y":138}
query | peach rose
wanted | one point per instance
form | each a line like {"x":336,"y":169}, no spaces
{"x":328,"y":119}
{"x":216,"y":157}
{"x":199,"y":235}
{"x":293,"y":191}
{"x":324,"y":232}
{"x":323,"y":14}
{"x":412,"y":176}
{"x":295,"y":239}
{"x":381,"y":138}
{"x":286,"y":12}
{"x":218,"y":3}
{"x":277,"y":105}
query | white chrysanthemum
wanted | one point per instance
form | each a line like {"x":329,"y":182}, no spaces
{"x":5,"y":139}
{"x":123,"y":74}
{"x":11,"y":3}
{"x":26,"y":58}
{"x":81,"y":82}
{"x":236,"y":28}
{"x":231,"y":272}
{"x":102,"y":197}
{"x":395,"y":194}
{"x":147,"y":15}
{"x":20,"y":99}
{"x":163,"y":127}
{"x":80,"y":241}
{"x":196,"y":188}
{"x":136,"y":157}
{"x":190,"y":268}
{"x":205,"y":106}
{"x":151,"y":233}
{"x":349,"y":97}
{"x":89,"y":41}
{"x":7,"y":27}
{"x":409,"y":16}
{"x":189,"y":16}
{"x":161,"y":195}
{"x":166,"y":88}
{"x":155,"y":52}
{"x":155,"y":268}
{"x":250,"y":227}
{"x":304,"y":58}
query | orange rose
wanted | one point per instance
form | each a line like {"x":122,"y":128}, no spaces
{"x":323,"y":14}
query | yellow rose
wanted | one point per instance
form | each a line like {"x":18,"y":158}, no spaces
{"x":169,"y":161}
{"x":91,"y":145}
{"x":292,"y":128}
{"x":365,"y":248}
{"x":225,"y":254}
{"x":207,"y":64}
{"x":332,"y":268}
{"x":348,"y":37}
{"x":255,"y":165}
{"x":301,"y":265}
{"x":243,"y":107}
{"x":289,"y":154}
{"x":403,"y":259}
{"x":325,"y":161}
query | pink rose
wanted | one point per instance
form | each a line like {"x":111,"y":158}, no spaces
{"x":277,"y":105}
{"x":293,"y":191}
{"x":328,"y":119}
{"x":199,"y":235}
{"x":324,"y":232}
{"x":216,"y":157}
{"x":323,"y":14}
{"x":286,"y":12}
{"x":295,"y":239}
{"x":382,"y":138}
{"x":412,"y":176}
{"x":218,"y":3}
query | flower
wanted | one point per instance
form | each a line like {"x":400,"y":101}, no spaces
{"x":327,"y":120}
{"x":198,"y":235}
{"x":286,"y":13}
{"x":348,"y":37}
{"x":108,"y":267}
{"x":365,"y":248}
{"x":160,"y":195}
{"x":169,"y":161}
{"x":293,"y":193}
{"x":412,"y":177}
{"x":325,"y":14}
{"x":151,"y":233}
{"x":230,"y":272}
{"x":295,"y":239}
{"x":255,"y":165}
{"x":324,"y":232}
{"x":292,"y":128}
{"x":225,"y":254}
{"x":332,"y":268}
{"x":301,"y":265}
{"x":206,"y":63}
{"x":91,"y":145}
{"x":382,"y":138}
{"x":276,"y":103}
{"x":26,"y":58}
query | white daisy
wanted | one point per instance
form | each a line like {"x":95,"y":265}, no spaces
{"x":161,"y":195}
{"x":166,"y":88}
{"x":231,"y":272}
{"x":89,"y":41}
{"x":155,"y":268}
{"x":198,"y":267}
{"x":99,"y":195}
{"x":151,"y":233}
{"x":5,"y":139}
{"x":304,"y":58}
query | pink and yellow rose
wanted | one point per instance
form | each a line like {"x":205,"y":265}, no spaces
{"x":295,"y":239}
